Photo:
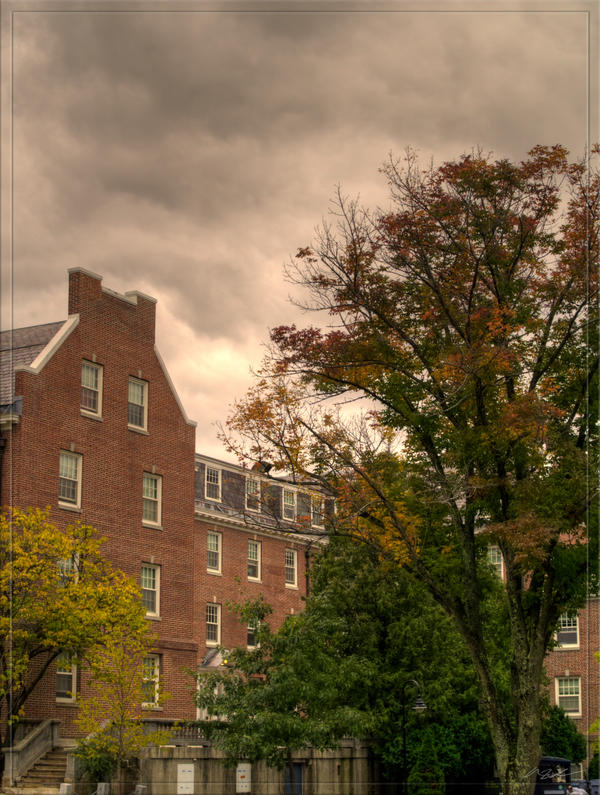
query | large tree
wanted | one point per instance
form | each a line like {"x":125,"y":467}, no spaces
{"x":466,"y":316}
{"x":58,"y":595}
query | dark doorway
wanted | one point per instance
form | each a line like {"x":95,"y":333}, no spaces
{"x":297,"y":779}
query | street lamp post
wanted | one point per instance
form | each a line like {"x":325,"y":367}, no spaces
{"x":418,"y":706}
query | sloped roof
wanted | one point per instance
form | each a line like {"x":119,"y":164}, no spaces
{"x":21,"y":346}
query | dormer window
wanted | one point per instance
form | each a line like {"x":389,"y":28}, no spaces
{"x":252,"y":494}
{"x":213,"y":484}
{"x":289,"y":505}
{"x":317,"y":512}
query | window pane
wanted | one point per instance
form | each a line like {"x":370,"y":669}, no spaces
{"x":290,"y":566}
{"x":137,"y":403}
{"x":213,"y":483}
{"x":68,"y":479}
{"x":253,"y":559}
{"x":150,"y":677}
{"x":212,"y":551}
{"x":212,"y":623}
{"x":289,"y":504}
{"x":150,"y":498}
{"x":89,"y":386}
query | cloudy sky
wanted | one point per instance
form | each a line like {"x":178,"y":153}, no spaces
{"x":188,"y":151}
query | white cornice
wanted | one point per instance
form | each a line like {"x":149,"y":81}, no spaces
{"x":173,"y":390}
{"x":44,"y":356}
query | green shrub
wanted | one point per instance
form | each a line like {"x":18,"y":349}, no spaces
{"x":98,"y":763}
{"x":427,"y":775}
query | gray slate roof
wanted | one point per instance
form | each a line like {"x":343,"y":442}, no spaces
{"x":21,"y":346}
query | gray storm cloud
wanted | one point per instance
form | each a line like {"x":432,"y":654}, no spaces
{"x":189,"y":154}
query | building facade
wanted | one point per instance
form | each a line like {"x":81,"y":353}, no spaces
{"x":91,"y":426}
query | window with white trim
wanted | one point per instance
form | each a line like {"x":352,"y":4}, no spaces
{"x":150,"y":586}
{"x":137,"y":404}
{"x":291,"y":567}
{"x":567,"y":634}
{"x":253,"y":559}
{"x":68,"y":569}
{"x":289,"y":505}
{"x":151,"y":498}
{"x":213,"y":484}
{"x":252,"y":494}
{"x":66,"y":678}
{"x":91,"y":388}
{"x":251,"y":637}
{"x":317,"y":512}
{"x":213,"y":552}
{"x":213,"y":624}
{"x":69,"y":479}
{"x":568,"y":694}
{"x":495,"y":558}
{"x":151,"y":680}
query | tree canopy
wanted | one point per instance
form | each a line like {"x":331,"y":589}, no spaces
{"x":58,"y":595}
{"x":290,"y":691}
{"x":464,"y":317}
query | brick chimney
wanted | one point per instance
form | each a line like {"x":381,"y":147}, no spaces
{"x":85,"y":287}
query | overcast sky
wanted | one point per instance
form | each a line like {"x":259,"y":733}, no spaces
{"x":189,"y":153}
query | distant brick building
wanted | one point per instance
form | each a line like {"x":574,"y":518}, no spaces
{"x":92,"y":426}
{"x":573,"y":667}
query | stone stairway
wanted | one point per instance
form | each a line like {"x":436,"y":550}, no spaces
{"x":47,"y":774}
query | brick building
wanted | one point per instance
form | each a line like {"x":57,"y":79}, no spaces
{"x":573,"y":668}
{"x":92,"y":426}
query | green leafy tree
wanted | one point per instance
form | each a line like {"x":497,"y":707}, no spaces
{"x":111,"y":714}
{"x":560,"y":736}
{"x":466,"y":315}
{"x":58,"y":595}
{"x":394,"y":622}
{"x":288,"y":693}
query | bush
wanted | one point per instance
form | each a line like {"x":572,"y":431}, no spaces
{"x":98,"y":764}
{"x":427,"y":775}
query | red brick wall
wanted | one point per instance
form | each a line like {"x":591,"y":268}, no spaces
{"x":583,"y":663}
{"x":117,"y":334}
{"x":233,"y":585}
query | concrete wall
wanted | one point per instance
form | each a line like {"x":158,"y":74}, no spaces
{"x":344,"y":771}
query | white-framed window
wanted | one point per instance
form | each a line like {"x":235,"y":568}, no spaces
{"x":213,"y":551}
{"x":253,"y":559}
{"x":317,"y":512}
{"x":151,"y":499}
{"x":91,"y":388}
{"x":289,"y":505}
{"x":68,"y":569}
{"x":69,"y":479}
{"x":568,"y":694}
{"x":66,"y":678}
{"x":567,"y":634}
{"x":151,"y":680}
{"x":213,"y":484}
{"x":150,"y":585}
{"x":252,"y":494}
{"x":213,"y":624}
{"x":251,"y":637}
{"x":291,"y":567}
{"x":497,"y":561}
{"x":137,"y":404}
